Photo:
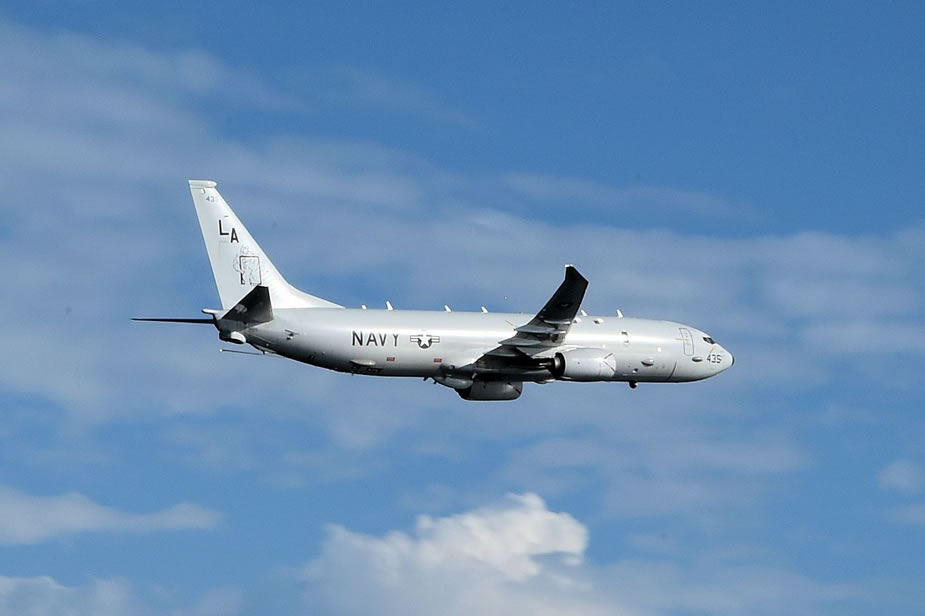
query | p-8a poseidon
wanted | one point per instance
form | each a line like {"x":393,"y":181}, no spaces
{"x":482,"y":355}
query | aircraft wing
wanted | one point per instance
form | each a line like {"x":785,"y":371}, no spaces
{"x":547,"y":329}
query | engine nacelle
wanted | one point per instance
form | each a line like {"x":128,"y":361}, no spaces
{"x":584,"y":365}
{"x":492,"y":390}
{"x":236,"y":337}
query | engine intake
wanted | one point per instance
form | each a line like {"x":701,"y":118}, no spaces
{"x":492,"y":390}
{"x":584,"y":365}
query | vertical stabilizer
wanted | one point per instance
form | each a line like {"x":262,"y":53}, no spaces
{"x":238,"y":262}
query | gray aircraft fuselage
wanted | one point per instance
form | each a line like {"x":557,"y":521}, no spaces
{"x":482,"y":355}
{"x":419,"y":343}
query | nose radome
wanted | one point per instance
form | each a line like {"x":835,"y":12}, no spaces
{"x":732,"y":359}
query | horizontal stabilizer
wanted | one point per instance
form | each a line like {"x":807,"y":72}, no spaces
{"x":201,"y":321}
{"x":252,"y":309}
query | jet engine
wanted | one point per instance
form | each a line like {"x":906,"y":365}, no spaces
{"x":584,"y":365}
{"x":492,"y":390}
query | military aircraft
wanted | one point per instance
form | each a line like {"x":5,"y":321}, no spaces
{"x":482,"y":355}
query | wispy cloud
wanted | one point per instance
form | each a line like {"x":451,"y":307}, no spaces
{"x":45,"y":596}
{"x":908,"y":478}
{"x":902,"y":475}
{"x":381,"y":92}
{"x":867,"y":336}
{"x":579,"y":191}
{"x":28,"y":519}
{"x":686,"y":469}
{"x":83,"y":65}
{"x":908,"y":514}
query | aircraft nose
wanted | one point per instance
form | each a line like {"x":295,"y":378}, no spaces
{"x":730,"y":359}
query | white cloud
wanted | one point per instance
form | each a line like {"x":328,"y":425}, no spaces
{"x":660,"y":587}
{"x":667,"y":465}
{"x":909,"y":514}
{"x":906,"y":477}
{"x":494,"y":560}
{"x":830,"y":297}
{"x":519,"y":557}
{"x":867,"y":336}
{"x":219,"y":602}
{"x":44,"y":596}
{"x":587,"y":192}
{"x":71,"y":59}
{"x":379,"y":91}
{"x":903,"y":475}
{"x":31,"y":519}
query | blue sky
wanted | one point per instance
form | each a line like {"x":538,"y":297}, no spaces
{"x":755,"y":171}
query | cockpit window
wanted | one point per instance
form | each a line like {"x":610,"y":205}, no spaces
{"x":709,"y":340}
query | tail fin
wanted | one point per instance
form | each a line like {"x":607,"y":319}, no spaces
{"x":238,"y":263}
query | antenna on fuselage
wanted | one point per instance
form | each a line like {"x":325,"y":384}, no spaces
{"x":254,"y":353}
{"x":388,"y":305}
{"x":484,"y":310}
{"x":619,"y":314}
{"x":447,"y":308}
